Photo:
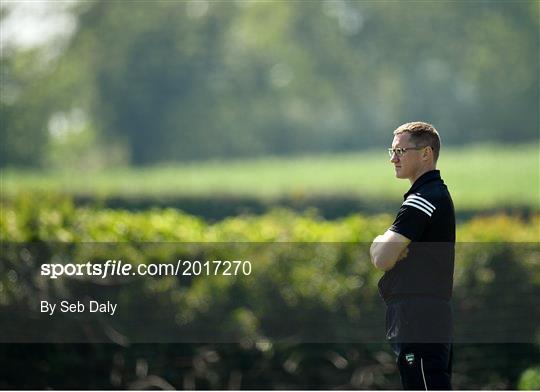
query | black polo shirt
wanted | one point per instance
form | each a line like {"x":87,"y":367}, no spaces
{"x":427,"y":218}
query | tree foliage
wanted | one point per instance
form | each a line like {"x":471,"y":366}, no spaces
{"x":169,"y":81}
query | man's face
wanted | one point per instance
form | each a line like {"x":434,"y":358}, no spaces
{"x":410,"y":163}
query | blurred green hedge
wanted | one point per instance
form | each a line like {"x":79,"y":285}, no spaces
{"x":48,"y":217}
{"x":499,"y":268}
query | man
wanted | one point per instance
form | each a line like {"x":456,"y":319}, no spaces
{"x":417,"y":255}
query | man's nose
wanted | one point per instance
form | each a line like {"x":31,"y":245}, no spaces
{"x":394,"y":158}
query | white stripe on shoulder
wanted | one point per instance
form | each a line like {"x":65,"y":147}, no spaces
{"x":422,"y":200}
{"x":419,"y":204}
{"x":421,"y":208}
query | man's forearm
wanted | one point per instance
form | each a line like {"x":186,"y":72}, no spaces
{"x":378,"y":255}
{"x":387,"y":249}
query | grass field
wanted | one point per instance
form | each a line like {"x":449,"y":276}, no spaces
{"x":483,"y":176}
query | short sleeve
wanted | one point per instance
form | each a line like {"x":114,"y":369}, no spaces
{"x":413,"y":217}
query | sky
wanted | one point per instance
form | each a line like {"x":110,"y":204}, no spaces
{"x":29,"y":24}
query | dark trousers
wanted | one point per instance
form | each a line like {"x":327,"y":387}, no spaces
{"x":424,"y":366}
{"x":419,"y":331}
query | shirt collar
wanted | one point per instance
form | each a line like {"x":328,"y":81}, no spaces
{"x":429,"y":176}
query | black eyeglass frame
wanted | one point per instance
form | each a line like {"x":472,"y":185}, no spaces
{"x":402,"y":150}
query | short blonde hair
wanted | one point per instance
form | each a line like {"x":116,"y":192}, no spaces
{"x":422,"y":135}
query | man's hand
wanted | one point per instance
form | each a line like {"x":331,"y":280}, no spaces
{"x":387,"y":249}
{"x":403,"y":254}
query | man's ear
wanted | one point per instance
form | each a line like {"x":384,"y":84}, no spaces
{"x":427,"y":151}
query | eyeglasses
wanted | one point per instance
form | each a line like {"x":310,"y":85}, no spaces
{"x":400,"y":151}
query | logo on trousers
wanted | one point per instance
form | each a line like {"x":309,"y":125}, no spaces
{"x":409,"y":358}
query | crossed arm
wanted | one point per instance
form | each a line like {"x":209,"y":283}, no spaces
{"x":387,"y":249}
